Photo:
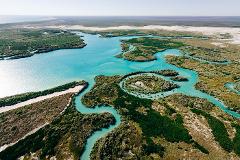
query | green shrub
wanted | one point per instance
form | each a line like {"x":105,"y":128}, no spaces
{"x":153,"y":124}
{"x":236,"y":140}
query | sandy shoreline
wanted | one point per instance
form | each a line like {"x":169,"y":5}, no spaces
{"x":76,"y":89}
{"x":234,"y":32}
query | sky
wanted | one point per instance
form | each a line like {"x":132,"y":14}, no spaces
{"x":121,"y":7}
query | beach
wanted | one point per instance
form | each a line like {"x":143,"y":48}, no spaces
{"x":41,"y":98}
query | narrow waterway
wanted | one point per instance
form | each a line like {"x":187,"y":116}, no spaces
{"x":98,"y":134}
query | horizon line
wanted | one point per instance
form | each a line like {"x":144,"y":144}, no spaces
{"x":121,"y":15}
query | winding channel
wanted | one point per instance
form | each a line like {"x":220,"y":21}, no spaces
{"x":44,"y":71}
{"x":186,"y":88}
{"x":98,"y":134}
{"x":206,"y":61}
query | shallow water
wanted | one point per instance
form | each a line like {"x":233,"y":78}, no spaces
{"x":44,"y":71}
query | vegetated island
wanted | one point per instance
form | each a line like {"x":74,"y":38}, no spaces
{"x":145,"y":48}
{"x":179,"y":79}
{"x":20,"y":43}
{"x":147,"y":84}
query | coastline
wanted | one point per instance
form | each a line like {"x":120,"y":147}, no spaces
{"x":75,"y":90}
{"x":39,"y":51}
{"x":212,"y":31}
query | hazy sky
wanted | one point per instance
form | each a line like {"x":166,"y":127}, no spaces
{"x":121,"y":7}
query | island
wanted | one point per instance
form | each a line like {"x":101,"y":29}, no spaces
{"x":148,"y":83}
{"x":179,"y":78}
{"x":145,"y":48}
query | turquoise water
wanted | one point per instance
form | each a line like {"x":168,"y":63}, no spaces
{"x":44,"y":71}
{"x":231,"y":87}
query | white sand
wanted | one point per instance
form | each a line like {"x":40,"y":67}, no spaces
{"x":41,"y":98}
{"x":234,"y":32}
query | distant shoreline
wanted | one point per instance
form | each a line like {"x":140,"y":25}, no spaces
{"x":17,"y":19}
{"x":212,"y":31}
{"x":109,"y":21}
